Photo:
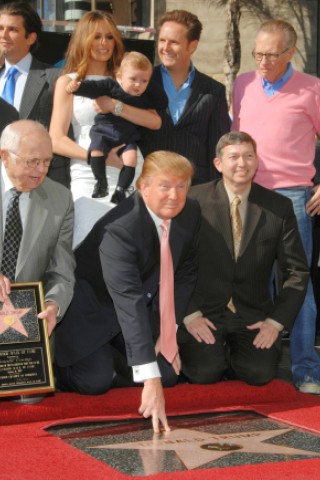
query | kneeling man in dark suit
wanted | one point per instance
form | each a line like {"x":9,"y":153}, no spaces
{"x":115,"y":312}
{"x":233,"y":324}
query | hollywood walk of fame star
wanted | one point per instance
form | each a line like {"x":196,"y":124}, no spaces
{"x":10,"y":317}
{"x":196,"y":448}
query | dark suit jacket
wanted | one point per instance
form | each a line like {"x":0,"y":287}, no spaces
{"x":119,"y":290}
{"x":270,"y":233}
{"x":8,"y":114}
{"x":36,"y":104}
{"x":204,"y":120}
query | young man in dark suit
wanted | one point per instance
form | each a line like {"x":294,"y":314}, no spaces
{"x":233,"y":324}
{"x":114,"y":314}
{"x":20,"y":27}
{"x":197,"y":114}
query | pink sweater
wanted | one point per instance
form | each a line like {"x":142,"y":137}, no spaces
{"x":284,"y":127}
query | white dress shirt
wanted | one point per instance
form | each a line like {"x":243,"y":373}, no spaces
{"x":24,"y":199}
{"x":23,"y":67}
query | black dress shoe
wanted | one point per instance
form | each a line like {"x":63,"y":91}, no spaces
{"x":118,"y":196}
{"x":100,"y":189}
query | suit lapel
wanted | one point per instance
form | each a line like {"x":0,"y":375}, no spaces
{"x":35,"y":82}
{"x":252,"y":220}
{"x":149,"y":234}
{"x":34,"y":225}
{"x":219,"y":215}
{"x":158,"y":79}
{"x":194,"y":98}
{"x":176,"y":240}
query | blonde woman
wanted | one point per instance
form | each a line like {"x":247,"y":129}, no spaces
{"x":95,"y":52}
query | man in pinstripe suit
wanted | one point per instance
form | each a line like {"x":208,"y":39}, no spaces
{"x":20,"y":27}
{"x":197,"y":115}
{"x":232,"y":305}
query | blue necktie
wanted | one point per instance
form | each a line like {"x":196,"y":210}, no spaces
{"x":10,"y":86}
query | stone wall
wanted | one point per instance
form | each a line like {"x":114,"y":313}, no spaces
{"x":209,"y":55}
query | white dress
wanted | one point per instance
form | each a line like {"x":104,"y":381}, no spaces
{"x":87,"y":209}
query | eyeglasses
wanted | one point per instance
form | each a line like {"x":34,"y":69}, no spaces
{"x":270,"y":57}
{"x":33,"y":162}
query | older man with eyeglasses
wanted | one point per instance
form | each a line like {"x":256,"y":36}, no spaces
{"x":280,"y":108}
{"x":36,"y":219}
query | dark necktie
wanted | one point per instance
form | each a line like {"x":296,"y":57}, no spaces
{"x":12,"y":237}
{"x":168,"y":337}
{"x":10,"y":86}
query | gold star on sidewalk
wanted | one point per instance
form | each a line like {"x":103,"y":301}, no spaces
{"x":10,"y":317}
{"x":196,"y":448}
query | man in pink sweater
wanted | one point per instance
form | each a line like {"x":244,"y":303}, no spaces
{"x":280,"y":109}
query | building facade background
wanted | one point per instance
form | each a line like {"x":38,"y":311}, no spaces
{"x":209,"y":57}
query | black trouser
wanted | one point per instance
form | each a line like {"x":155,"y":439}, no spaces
{"x":232,"y":355}
{"x":105,"y":368}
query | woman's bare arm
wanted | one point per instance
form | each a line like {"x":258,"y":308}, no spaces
{"x":61,"y":120}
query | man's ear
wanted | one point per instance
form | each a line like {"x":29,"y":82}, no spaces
{"x":4,"y":154}
{"x":32,"y":38}
{"x":144,"y":190}
{"x":217,"y":163}
{"x":193,"y":45}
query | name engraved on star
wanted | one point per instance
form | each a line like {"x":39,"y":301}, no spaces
{"x":196,"y":449}
{"x":221,"y":447}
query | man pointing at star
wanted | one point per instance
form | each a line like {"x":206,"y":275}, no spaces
{"x":36,"y":220}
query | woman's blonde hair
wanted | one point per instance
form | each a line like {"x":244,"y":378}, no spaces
{"x":78,"y":52}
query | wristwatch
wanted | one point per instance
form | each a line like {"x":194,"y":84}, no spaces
{"x":118,"y":108}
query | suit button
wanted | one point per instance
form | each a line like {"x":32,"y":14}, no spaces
{"x":149,"y":295}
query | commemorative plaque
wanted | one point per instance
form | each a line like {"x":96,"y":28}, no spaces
{"x":25,"y":360}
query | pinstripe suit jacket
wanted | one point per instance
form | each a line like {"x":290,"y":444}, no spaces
{"x":204,"y":120}
{"x":45,"y":252}
{"x":270,"y":233}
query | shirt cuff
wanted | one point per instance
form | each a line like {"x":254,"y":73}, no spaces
{"x":276,"y":324}
{"x":146,"y":371}
{"x":191,"y":317}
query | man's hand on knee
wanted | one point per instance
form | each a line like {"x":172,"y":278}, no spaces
{"x":201,"y":329}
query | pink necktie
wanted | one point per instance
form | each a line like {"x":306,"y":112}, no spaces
{"x":168,"y":337}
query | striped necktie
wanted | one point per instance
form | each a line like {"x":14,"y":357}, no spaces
{"x":236,"y":225}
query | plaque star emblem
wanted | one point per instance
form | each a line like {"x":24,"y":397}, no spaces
{"x":10,"y":317}
{"x":196,"y":448}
